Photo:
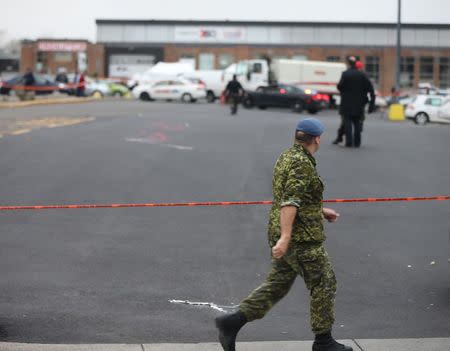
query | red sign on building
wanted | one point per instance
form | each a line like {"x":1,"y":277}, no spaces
{"x":62,"y":46}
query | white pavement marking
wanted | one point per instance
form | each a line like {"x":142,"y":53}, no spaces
{"x":434,"y":344}
{"x":204,"y":304}
{"x":152,"y":142}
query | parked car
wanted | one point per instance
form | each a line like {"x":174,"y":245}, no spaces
{"x":118,"y":89}
{"x":174,"y":89}
{"x":283,"y":95}
{"x":97,"y":88}
{"x":429,"y":108}
{"x":44,"y":85}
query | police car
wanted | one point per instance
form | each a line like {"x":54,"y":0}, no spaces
{"x":429,"y":108}
{"x":181,"y":89}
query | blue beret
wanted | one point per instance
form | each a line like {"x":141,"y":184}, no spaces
{"x":311,"y":126}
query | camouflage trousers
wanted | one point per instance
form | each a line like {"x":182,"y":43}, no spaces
{"x":312,"y":263}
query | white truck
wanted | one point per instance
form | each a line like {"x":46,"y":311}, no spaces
{"x":160,"y":71}
{"x":315,"y":75}
{"x":213,"y":80}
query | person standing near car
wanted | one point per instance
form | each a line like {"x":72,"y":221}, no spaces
{"x":80,"y":83}
{"x":234,"y":91}
{"x":29,"y":81}
{"x":341,"y":130}
{"x":296,"y":236}
{"x":354,"y":87}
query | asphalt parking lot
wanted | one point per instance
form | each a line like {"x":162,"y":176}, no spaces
{"x":107,"y":275}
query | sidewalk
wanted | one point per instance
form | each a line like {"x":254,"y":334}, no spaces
{"x":436,"y":344}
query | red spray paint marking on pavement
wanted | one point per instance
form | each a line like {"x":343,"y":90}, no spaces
{"x":204,"y":204}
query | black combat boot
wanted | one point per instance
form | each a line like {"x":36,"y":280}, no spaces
{"x":325,"y":342}
{"x":337,"y":141}
{"x":229,"y":326}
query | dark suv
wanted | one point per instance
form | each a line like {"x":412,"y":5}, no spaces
{"x":283,"y":95}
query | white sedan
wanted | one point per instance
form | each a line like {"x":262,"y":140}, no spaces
{"x":429,"y":108}
{"x":175,"y":89}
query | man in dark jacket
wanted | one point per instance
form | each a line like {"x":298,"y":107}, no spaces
{"x":234,"y":91}
{"x":28,"y":78}
{"x":354,"y":87}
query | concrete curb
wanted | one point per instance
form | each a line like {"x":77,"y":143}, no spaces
{"x":435,"y":344}
{"x":63,"y":101}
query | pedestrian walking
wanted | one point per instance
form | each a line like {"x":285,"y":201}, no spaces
{"x":354,"y":87}
{"x":234,"y":91}
{"x":296,"y":236}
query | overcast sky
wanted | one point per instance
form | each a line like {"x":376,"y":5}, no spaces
{"x":76,"y":19}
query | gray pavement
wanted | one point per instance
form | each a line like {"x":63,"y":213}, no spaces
{"x":106,"y":276}
{"x":358,"y":345}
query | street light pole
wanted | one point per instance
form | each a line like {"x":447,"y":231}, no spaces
{"x":399,"y":46}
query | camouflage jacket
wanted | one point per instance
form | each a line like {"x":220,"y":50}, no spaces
{"x":296,"y":183}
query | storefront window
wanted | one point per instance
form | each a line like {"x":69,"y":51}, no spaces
{"x":300,"y":57}
{"x":206,"y":61}
{"x":426,"y":69}
{"x":63,"y":57}
{"x":333,"y":59}
{"x":407,"y":72}
{"x":373,"y":68}
{"x":444,"y":72}
{"x":225,"y":60}
{"x":41,"y":63}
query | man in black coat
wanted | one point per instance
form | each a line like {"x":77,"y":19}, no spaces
{"x":354,"y":87}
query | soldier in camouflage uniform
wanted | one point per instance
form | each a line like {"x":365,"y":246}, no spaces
{"x":296,"y":236}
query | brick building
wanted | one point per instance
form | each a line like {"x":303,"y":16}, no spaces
{"x":49,"y":55}
{"x":132,"y":46}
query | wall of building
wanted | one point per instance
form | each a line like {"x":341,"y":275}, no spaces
{"x":53,"y":60}
{"x":213,"y":44}
{"x":271,"y":33}
{"x":385,"y":57}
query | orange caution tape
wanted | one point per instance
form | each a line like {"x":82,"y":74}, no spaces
{"x":222,"y":203}
{"x":58,"y":86}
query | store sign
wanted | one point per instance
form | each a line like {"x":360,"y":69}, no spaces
{"x":210,"y":34}
{"x":62,"y":46}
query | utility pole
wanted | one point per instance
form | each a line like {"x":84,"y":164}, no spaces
{"x":399,"y":45}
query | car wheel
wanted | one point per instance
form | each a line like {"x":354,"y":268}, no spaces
{"x":262,"y":107}
{"x":145,"y":96}
{"x":117,"y":94}
{"x":210,"y":97}
{"x":248,"y":102}
{"x":297,"y":106}
{"x":421,"y":119}
{"x":186,"y":98}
